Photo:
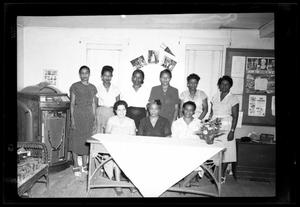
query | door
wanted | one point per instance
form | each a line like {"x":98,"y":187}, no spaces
{"x":99,"y":55}
{"x":207,"y":62}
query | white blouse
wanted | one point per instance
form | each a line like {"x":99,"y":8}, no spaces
{"x":222,"y":109}
{"x":197,"y":99}
{"x":182,"y":130}
{"x":107,"y":98}
{"x":135,"y":98}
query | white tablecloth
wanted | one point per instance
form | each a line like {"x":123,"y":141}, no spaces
{"x":154,"y":164}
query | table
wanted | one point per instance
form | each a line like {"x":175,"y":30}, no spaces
{"x":153,"y":164}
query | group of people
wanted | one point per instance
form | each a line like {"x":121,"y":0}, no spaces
{"x":161,"y":112}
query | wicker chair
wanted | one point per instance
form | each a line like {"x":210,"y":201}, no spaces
{"x":38,"y":150}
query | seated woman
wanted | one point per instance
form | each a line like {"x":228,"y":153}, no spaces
{"x":186,"y":128}
{"x":118,"y":124}
{"x":154,"y":124}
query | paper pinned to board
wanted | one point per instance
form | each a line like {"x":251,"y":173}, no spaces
{"x":273,"y":106}
{"x":240,"y":98}
{"x":238,"y":66}
{"x":261,"y":84}
{"x":240,"y":119}
{"x":238,"y":85}
{"x":257,"y":105}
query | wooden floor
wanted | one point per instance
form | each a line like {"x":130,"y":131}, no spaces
{"x":65,"y":184}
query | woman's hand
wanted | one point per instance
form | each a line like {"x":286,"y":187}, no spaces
{"x":230,"y":136}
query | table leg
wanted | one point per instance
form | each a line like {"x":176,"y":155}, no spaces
{"x":89,"y":168}
{"x":220,"y":172}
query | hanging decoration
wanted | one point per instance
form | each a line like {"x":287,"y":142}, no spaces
{"x":138,"y":62}
{"x":166,"y":49}
{"x":168,"y":63}
{"x":153,"y":56}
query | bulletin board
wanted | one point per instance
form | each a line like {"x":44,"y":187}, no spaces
{"x":256,"y":69}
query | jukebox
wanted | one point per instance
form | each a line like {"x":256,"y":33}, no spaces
{"x":43,"y":116}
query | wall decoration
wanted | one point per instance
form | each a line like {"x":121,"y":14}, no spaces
{"x":50,"y":76}
{"x":238,"y":85}
{"x":153,"y":56}
{"x":273,"y":106}
{"x":168,"y":63}
{"x":238,"y":66}
{"x":138,"y":62}
{"x":260,"y":75}
{"x":166,"y":49}
{"x":259,"y":83}
{"x":260,"y":65}
{"x":257,"y":105}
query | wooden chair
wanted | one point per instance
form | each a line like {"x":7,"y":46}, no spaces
{"x":38,"y":151}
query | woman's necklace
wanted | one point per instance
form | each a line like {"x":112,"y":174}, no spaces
{"x":153,"y":120}
{"x":165,"y":89}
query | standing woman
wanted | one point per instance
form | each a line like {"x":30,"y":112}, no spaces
{"x":195,"y":95}
{"x":107,"y":95}
{"x":137,"y":97}
{"x":225,"y":105}
{"x":167,"y":95}
{"x":83,"y":110}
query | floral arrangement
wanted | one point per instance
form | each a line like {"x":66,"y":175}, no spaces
{"x":209,"y":130}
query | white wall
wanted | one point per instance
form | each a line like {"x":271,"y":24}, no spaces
{"x":20,"y":57}
{"x":63,"y":49}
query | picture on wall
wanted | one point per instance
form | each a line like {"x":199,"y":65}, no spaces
{"x":153,"y":56}
{"x":168,"y":63}
{"x":260,"y":65}
{"x":260,"y":75}
{"x":138,"y":62}
{"x":257,"y":105}
{"x":50,"y":76}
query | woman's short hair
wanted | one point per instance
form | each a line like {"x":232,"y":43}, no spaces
{"x":227,"y":78}
{"x":84,"y":67}
{"x":107,"y":68}
{"x":166,"y":71}
{"x":139,"y":71}
{"x":156,"y":101}
{"x":119,"y":103}
{"x":193,"y":76}
{"x":191,"y":103}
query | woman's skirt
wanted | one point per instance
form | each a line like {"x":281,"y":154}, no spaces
{"x":136,"y":113}
{"x":84,"y":122}
{"x":229,"y":154}
{"x":103,"y":113}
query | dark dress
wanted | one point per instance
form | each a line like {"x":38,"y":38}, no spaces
{"x":162,"y":127}
{"x":83,"y":117}
{"x":136,"y":113}
{"x":168,"y":100}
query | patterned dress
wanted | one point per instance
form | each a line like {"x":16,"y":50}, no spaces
{"x":83,"y":117}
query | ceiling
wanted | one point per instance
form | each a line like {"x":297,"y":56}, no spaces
{"x":170,"y":21}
